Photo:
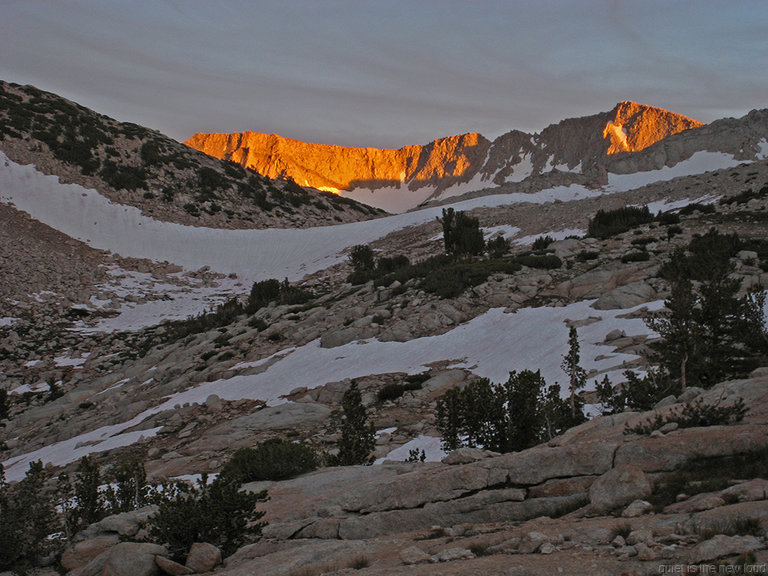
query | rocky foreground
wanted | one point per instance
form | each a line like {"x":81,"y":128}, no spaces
{"x":593,"y":501}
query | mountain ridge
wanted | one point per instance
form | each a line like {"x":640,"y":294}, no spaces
{"x":137,"y":166}
{"x":575,"y":144}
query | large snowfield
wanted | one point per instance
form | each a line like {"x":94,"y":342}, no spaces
{"x":490,"y":345}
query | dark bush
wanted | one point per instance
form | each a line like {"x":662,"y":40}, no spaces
{"x":271,"y":460}
{"x":151,"y":152}
{"x":452,"y":278}
{"x":210,"y":179}
{"x":387,"y":265}
{"x":544,"y":261}
{"x":696,"y":207}
{"x":224,"y":315}
{"x":666,"y":218}
{"x":123,"y":177}
{"x":585,"y":255}
{"x":607,"y":223}
{"x":396,"y":390}
{"x":272,"y":290}
{"x":217,"y":513}
{"x":696,"y":414}
{"x":636,"y":256}
{"x":542,"y":242}
{"x":497,"y":246}
{"x":705,"y":255}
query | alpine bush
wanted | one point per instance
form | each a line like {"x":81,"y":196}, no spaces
{"x":218,"y":513}
{"x":607,"y":223}
{"x":271,"y":460}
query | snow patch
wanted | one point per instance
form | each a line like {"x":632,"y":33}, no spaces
{"x":505,"y":230}
{"x":555,"y":235}
{"x":62,"y":361}
{"x":431,"y":445}
{"x":699,"y":163}
{"x":671,"y":206}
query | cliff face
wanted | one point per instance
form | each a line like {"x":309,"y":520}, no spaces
{"x":440,"y":163}
{"x":454,"y":164}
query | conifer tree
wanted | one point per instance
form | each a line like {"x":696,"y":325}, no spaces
{"x":462,"y":235}
{"x":576,"y":374}
{"x":357,"y":434}
{"x":27,"y":517}
{"x":708,"y":333}
{"x":524,"y":392}
{"x":90,"y":502}
{"x":681,"y":338}
{"x":450,"y":419}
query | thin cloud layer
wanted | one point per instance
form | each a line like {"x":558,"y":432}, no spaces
{"x":386,"y":74}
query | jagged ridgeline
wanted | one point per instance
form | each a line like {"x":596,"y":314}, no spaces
{"x":455,"y":164}
{"x":137,"y":166}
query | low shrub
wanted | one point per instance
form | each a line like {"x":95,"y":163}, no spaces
{"x":272,"y":290}
{"x":543,"y":261}
{"x":636,"y":256}
{"x":586,"y":255}
{"x":271,"y":460}
{"x":542,"y":242}
{"x":695,"y":415}
{"x":607,"y":223}
{"x":708,"y":474}
{"x":395,"y":391}
{"x":696,"y":207}
{"x":667,"y":218}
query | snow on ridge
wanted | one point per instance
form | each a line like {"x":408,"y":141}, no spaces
{"x":699,"y":163}
{"x":671,"y":206}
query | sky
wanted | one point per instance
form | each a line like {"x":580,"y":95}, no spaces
{"x":386,"y":73}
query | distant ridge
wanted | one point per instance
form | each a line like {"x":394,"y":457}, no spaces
{"x":461,"y":161}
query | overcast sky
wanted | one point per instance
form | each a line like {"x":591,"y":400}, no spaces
{"x":386,"y":73}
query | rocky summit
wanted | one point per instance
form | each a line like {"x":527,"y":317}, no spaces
{"x":355,"y":380}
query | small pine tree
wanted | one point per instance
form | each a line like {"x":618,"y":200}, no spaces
{"x":362,"y":259}
{"x":448,"y":223}
{"x":90,"y":501}
{"x":462,"y":235}
{"x":131,"y":490}
{"x":449,"y":419}
{"x":357,"y":434}
{"x":708,"y":334}
{"x":681,"y":337}
{"x":65,"y":501}
{"x":577,"y":376}
{"x":524,"y":392}
{"x":27,"y":517}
